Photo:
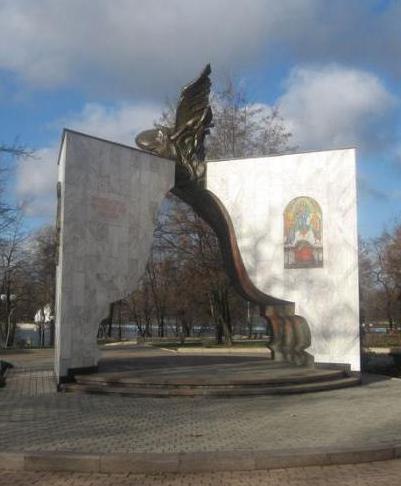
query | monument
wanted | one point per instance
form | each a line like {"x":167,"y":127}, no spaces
{"x":286,"y":225}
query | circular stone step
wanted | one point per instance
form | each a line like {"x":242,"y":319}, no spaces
{"x":216,"y":380}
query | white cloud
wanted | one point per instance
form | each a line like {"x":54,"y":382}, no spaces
{"x":129,"y":46}
{"x":149,"y":47}
{"x":36,"y":183}
{"x":36,"y":178}
{"x":334,"y":106}
{"x":118,"y":123}
{"x":330,"y":106}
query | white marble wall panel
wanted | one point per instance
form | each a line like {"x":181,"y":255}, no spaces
{"x":255,"y":192}
{"x":110,"y":196}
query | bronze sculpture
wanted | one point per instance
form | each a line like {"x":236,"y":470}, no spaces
{"x":184,"y":143}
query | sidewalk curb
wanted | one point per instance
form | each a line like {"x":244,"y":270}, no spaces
{"x":217,"y":351}
{"x":193,"y":462}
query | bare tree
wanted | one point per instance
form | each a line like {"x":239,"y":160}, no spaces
{"x":8,"y":155}
{"x":380,"y":277}
{"x":366,"y":279}
{"x":13,"y":264}
{"x":392,"y":262}
{"x":244,"y":129}
{"x":41,"y":273}
{"x":197,"y":276}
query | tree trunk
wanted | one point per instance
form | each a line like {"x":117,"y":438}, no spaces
{"x":110,"y":320}
{"x":221,"y":307}
{"x":119,"y":321}
{"x":219,"y":332}
{"x":148,"y":327}
{"x":52,"y":332}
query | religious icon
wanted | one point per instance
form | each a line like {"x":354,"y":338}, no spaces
{"x":303,"y":234}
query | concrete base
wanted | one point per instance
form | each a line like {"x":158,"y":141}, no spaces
{"x":72,"y":372}
{"x":207,"y":376}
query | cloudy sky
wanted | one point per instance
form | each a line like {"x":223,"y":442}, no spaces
{"x":106,"y":68}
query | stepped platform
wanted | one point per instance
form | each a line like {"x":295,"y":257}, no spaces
{"x":145,"y":372}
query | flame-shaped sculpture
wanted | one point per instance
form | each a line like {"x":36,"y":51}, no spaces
{"x":184,"y":142}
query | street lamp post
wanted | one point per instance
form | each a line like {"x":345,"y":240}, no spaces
{"x":8,"y":299}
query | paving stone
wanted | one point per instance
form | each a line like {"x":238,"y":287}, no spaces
{"x":144,"y":463}
{"x":385,"y":473}
{"x":216,"y":461}
{"x":46,"y":420}
{"x":35,"y":418}
{"x":11,"y":461}
{"x":61,"y":462}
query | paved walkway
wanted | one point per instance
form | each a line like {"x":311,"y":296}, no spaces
{"x":33,"y":417}
{"x":386,"y":473}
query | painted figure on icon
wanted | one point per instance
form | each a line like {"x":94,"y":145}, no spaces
{"x":303,"y":234}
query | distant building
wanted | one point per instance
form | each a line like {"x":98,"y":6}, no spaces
{"x":44,"y":315}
